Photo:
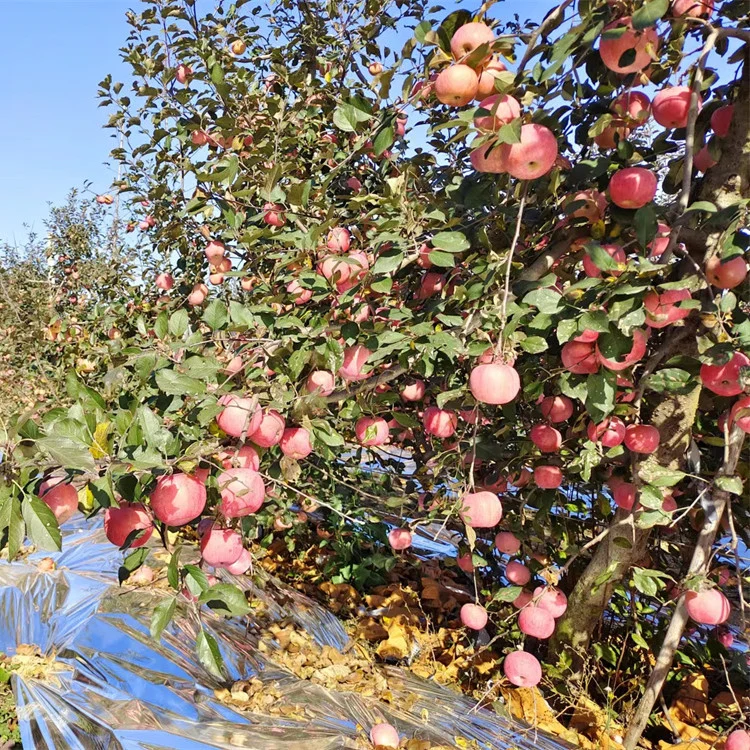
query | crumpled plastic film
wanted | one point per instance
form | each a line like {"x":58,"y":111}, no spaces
{"x":103,"y":682}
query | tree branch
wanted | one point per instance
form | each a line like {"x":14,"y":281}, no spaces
{"x":698,"y":567}
{"x":687,"y":164}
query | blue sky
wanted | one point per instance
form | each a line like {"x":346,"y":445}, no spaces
{"x":53,"y":53}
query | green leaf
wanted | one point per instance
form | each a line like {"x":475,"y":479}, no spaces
{"x":510,"y":132}
{"x":421,"y":31}
{"x":451,"y":242}
{"x":441,"y":259}
{"x":68,"y":453}
{"x":173,"y":570}
{"x":601,"y":258}
{"x":12,"y":523}
{"x":209,"y":654}
{"x":225,"y":171}
{"x":534,"y":345}
{"x":216,"y":315}
{"x":600,"y":398}
{"x":178,"y":323}
{"x":507,"y":594}
{"x":156,"y":435}
{"x":383,"y":140}
{"x":651,"y":497}
{"x":41,"y":524}
{"x":660,"y":477}
{"x":706,"y":206}
{"x":646,"y":225}
{"x":649,"y":13}
{"x":648,"y":581}
{"x":226,"y":599}
{"x":566,"y":330}
{"x":729,"y":484}
{"x":134,"y":560}
{"x":594,"y":321}
{"x":347,"y":117}
{"x":195,"y":580}
{"x":545,"y":300}
{"x":297,"y":362}
{"x":670,"y":380}
{"x":447,"y":396}
{"x":175,"y":384}
{"x":162,"y":616}
{"x":387,"y":262}
{"x":161,"y":325}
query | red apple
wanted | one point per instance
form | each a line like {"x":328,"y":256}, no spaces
{"x":614,"y":251}
{"x":534,"y":156}
{"x":633,"y":106}
{"x":517,"y":573}
{"x":120,"y":523}
{"x":642,"y":438}
{"x":469,"y":37}
{"x":610,"y":433}
{"x":242,"y":492}
{"x":502,"y":108}
{"x":473,"y":616}
{"x":663,"y":309}
{"x":724,"y":379}
{"x":556,"y":408}
{"x":548,"y":477}
{"x":579,"y":357}
{"x":726,"y":274}
{"x":456,"y":85}
{"x":632,"y":187}
{"x":320,"y":382}
{"x":295,"y":443}
{"x":522,"y":669}
{"x":672,"y":105}
{"x":494,"y":383}
{"x":488,"y":158}
{"x":546,"y":438}
{"x":372,"y":431}
{"x":481,"y":510}
{"x":721,"y":120}
{"x":708,"y":607}
{"x":645,"y":43}
{"x":488,"y":77}
{"x":507,"y":543}
{"x":695,"y":9}
{"x":178,"y":499}
{"x":536,"y":622}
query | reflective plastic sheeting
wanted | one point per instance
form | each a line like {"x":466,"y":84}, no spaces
{"x":105,"y":683}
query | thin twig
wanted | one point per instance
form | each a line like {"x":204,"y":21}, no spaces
{"x":738,"y":566}
{"x":540,"y":30}
{"x":687,"y":164}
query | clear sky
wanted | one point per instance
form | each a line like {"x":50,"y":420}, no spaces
{"x":53,"y":53}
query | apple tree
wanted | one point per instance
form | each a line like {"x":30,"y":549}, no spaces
{"x":412,"y":268}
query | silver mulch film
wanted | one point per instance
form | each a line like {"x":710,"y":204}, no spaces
{"x":111,"y":686}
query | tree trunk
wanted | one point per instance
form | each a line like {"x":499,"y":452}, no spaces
{"x":625,"y":543}
{"x":723,"y":185}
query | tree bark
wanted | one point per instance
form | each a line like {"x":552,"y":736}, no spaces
{"x":625,"y":543}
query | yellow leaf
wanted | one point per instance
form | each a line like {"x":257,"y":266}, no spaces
{"x":86,"y":498}
{"x":100,"y":446}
